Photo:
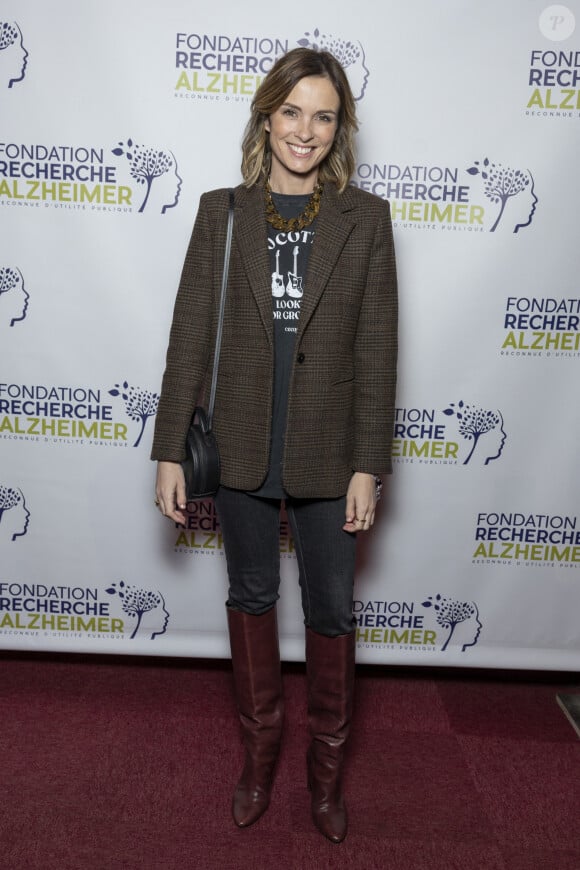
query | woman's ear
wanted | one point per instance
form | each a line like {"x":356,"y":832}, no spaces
{"x":267,"y":125}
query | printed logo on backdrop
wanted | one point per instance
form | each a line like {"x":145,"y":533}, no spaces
{"x":426,"y":436}
{"x":349,"y":53}
{"x":13,"y":55}
{"x":222,"y":67}
{"x":89,"y":178}
{"x":482,"y":429}
{"x":436,"y":624}
{"x":144,"y":607}
{"x":501,"y":185}
{"x":230,"y":68}
{"x":146,"y":165}
{"x":14,"y":515}
{"x":553,"y":67}
{"x":545,"y":326}
{"x":140,"y":405}
{"x":79,"y":612}
{"x":13,"y":296}
{"x":526,"y":540}
{"x":75,"y":416}
{"x":482,"y":197}
{"x":201,"y":535}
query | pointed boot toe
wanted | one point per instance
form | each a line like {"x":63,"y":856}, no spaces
{"x":248,"y":805}
{"x":331,"y":821}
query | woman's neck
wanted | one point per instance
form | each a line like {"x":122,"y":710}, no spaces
{"x":292,"y":185}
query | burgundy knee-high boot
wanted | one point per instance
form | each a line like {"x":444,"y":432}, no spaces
{"x":258,"y":688}
{"x":330,"y":674}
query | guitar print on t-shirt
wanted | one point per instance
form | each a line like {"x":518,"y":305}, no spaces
{"x":294,"y":285}
{"x":289,"y":256}
{"x":277,"y":278}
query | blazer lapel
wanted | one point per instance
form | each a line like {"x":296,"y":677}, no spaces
{"x":332,"y":231}
{"x":253,"y":247}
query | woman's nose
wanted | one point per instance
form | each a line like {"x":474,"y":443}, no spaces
{"x":304,"y":129}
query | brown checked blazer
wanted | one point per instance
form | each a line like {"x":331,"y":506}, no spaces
{"x":342,"y":388}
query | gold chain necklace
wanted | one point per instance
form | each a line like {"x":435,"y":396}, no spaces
{"x":289,"y":225}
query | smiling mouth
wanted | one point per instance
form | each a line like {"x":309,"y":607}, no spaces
{"x":300,"y":150}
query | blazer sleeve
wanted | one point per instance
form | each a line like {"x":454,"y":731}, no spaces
{"x":375,"y":356}
{"x":189,"y":343}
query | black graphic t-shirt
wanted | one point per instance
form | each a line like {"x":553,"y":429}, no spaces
{"x":289,"y":253}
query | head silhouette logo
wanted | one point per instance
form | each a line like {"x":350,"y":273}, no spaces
{"x":349,"y":53}
{"x":13,"y":55}
{"x":459,"y":618}
{"x":14,"y":515}
{"x":478,"y":425}
{"x":146,"y":165}
{"x":502,"y":184}
{"x":147,"y":608}
{"x":13,"y":296}
{"x":139,"y":404}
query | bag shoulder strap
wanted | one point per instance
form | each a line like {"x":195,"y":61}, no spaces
{"x":218,"y":340}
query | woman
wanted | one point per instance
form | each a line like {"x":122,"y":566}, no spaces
{"x":304,"y":405}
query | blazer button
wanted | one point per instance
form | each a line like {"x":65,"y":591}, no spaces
{"x":300,"y":358}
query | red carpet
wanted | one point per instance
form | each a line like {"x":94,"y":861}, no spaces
{"x":130,"y":763}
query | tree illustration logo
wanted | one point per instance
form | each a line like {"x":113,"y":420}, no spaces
{"x":349,"y":53}
{"x":147,"y":608}
{"x":14,"y":515}
{"x":473,"y":423}
{"x":13,"y":296}
{"x":501,"y":184}
{"x":451,"y":613}
{"x":146,"y":165}
{"x":139,"y":404}
{"x":13,"y":55}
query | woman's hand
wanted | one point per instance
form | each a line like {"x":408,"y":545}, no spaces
{"x":360,"y":502}
{"x":170,"y":491}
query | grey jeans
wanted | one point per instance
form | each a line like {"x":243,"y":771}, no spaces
{"x":325,"y":553}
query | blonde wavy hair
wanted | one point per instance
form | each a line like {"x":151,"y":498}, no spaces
{"x":338,"y":166}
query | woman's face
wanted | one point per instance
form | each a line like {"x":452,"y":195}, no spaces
{"x":302,"y":131}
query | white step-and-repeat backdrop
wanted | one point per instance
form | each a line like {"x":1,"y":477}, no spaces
{"x":114,"y":117}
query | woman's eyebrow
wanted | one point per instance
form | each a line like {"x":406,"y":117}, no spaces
{"x":299,"y":108}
